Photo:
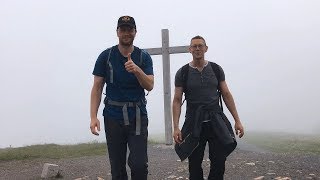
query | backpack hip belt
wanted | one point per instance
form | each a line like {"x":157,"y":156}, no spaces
{"x":125,"y":106}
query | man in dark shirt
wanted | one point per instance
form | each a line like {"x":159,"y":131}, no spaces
{"x":202,"y":91}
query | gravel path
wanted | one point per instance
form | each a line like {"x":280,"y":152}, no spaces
{"x":246,"y":162}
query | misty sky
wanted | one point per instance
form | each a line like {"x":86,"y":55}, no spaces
{"x":269,"y":50}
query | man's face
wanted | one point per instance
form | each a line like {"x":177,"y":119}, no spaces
{"x":198,"y":48}
{"x":126,"y":35}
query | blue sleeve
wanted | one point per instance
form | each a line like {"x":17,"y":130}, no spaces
{"x":148,"y":65}
{"x":100,"y":66}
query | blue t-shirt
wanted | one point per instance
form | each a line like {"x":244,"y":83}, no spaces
{"x":125,"y":86}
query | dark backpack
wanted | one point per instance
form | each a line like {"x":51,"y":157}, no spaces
{"x":185,"y":72}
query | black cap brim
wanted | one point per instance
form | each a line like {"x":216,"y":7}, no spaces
{"x":126,"y":24}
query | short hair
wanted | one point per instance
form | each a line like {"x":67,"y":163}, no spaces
{"x":199,"y":37}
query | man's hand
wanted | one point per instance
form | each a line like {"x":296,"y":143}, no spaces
{"x":130,"y":65}
{"x":95,"y":126}
{"x":239,"y":129}
{"x":177,"y":135}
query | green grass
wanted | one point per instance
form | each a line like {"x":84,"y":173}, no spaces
{"x":276,"y":142}
{"x":285,"y":142}
{"x":52,"y":151}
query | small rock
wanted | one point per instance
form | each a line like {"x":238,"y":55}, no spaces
{"x":180,"y":170}
{"x":171,"y":177}
{"x":251,"y":164}
{"x":271,"y":173}
{"x":50,"y":170}
{"x":282,"y":178}
{"x":299,"y":171}
{"x":259,"y":178}
{"x":83,"y":178}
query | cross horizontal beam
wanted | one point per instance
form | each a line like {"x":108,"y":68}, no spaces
{"x":172,"y":50}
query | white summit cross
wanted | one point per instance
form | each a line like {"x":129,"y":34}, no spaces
{"x":165,"y":51}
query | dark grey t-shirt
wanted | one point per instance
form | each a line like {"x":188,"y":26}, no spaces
{"x":202,"y":86}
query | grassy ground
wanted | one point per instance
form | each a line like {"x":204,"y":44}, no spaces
{"x":276,"y":142}
{"x":284,"y":142}
{"x":52,"y":151}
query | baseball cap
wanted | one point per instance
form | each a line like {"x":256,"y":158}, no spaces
{"x":126,"y":20}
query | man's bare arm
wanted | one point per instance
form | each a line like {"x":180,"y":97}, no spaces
{"x":176,"y":112}
{"x":95,"y":101}
{"x":146,"y":81}
{"x":229,"y":101}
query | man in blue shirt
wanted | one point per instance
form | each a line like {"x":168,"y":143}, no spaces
{"x":127,"y":71}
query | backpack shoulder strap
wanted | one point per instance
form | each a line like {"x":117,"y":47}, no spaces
{"x":184,"y":77}
{"x":109,"y":53}
{"x":216,"y":70}
{"x":142,"y":53}
{"x":109,"y":66}
{"x":141,"y":61}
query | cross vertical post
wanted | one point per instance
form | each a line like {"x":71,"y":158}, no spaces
{"x":166,"y":86}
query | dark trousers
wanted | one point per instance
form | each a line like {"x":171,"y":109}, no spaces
{"x":217,"y":156}
{"x":119,"y":137}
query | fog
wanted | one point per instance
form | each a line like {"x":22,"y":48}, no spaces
{"x":269,"y":50}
